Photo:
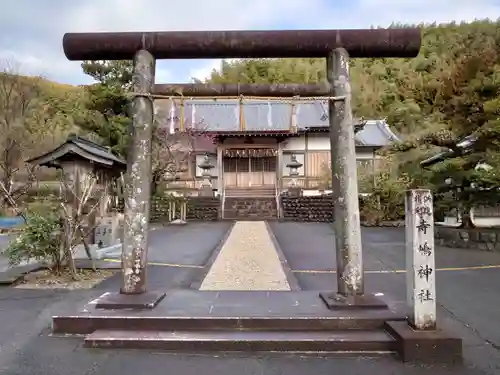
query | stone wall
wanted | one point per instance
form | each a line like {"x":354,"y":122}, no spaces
{"x":319,"y":208}
{"x":314,"y":208}
{"x":203,"y":208}
{"x":198,"y":208}
{"x":477,"y":238}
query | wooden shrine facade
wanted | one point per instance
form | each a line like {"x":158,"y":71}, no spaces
{"x":255,"y":160}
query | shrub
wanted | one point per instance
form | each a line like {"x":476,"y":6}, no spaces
{"x":44,"y":207}
{"x":39,"y":240}
{"x":386,"y":203}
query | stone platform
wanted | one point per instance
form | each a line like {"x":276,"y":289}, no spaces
{"x":191,"y":309}
{"x":246,"y":304}
{"x":258,"y":321}
{"x":236,"y":321}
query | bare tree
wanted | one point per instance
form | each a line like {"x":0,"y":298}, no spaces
{"x":172,"y":148}
{"x":13,"y":194}
{"x":81,"y":199}
{"x":19,"y":99}
{"x":171,"y":155}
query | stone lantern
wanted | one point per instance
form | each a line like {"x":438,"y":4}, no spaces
{"x":206,"y":185}
{"x":294,"y":166}
{"x":455,"y":188}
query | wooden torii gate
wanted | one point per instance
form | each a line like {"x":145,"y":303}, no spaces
{"x":336,"y":46}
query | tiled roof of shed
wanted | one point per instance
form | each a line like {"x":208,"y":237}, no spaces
{"x":82,"y":147}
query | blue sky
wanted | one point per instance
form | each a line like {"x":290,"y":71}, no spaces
{"x":31,"y":31}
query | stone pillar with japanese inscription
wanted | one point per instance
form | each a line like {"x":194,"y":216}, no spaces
{"x":420,"y":259}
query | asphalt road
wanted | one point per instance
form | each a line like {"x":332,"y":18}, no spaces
{"x":26,"y":348}
{"x":4,"y":242}
{"x":467,"y":297}
{"x":190,"y":245}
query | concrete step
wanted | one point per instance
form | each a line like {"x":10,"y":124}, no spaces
{"x":249,"y":218}
{"x":245,"y":341}
{"x":251,"y":199}
{"x":244,"y":208}
{"x":342,"y":320}
{"x":251,"y":213}
{"x":254,"y":192}
{"x":187,"y":309}
{"x":250,"y":208}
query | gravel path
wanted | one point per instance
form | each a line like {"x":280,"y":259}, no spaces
{"x":247,"y":261}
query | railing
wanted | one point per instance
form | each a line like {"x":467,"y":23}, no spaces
{"x":223,"y":202}
{"x":277,"y":197}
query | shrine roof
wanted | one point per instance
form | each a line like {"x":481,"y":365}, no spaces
{"x":78,"y":147}
{"x":263,"y":118}
{"x":376,"y":133}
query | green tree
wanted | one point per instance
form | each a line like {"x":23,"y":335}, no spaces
{"x":104,"y":108}
{"x":449,"y":91}
{"x":466,"y":103}
{"x":106,"y":114}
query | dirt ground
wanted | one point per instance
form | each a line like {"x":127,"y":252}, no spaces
{"x":45,"y":279}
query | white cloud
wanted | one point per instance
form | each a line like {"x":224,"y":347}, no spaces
{"x":42,"y":40}
{"x":38,"y":65}
{"x":153,"y":15}
{"x":205,"y":71}
{"x":162,"y":75}
{"x":385,"y":12}
{"x":37,"y":45}
{"x":367,"y":13}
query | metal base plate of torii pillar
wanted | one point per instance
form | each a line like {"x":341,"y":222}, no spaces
{"x":118,"y":301}
{"x":349,"y":306}
{"x":337,"y":301}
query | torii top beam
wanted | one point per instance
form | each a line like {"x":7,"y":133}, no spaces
{"x":403,"y":42}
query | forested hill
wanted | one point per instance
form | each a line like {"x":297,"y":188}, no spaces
{"x":433,"y":101}
{"x":450,"y":90}
{"x":413,"y":94}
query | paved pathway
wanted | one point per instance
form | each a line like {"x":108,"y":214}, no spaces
{"x":247,"y":261}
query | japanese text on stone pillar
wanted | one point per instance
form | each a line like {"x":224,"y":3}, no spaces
{"x":421,"y":259}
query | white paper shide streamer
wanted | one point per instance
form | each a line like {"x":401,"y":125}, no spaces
{"x":269,"y":115}
{"x":237,"y":113}
{"x":171,"y":116}
{"x":193,"y":116}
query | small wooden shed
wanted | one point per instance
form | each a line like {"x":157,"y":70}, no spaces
{"x":80,"y":158}
{"x":78,"y":149}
